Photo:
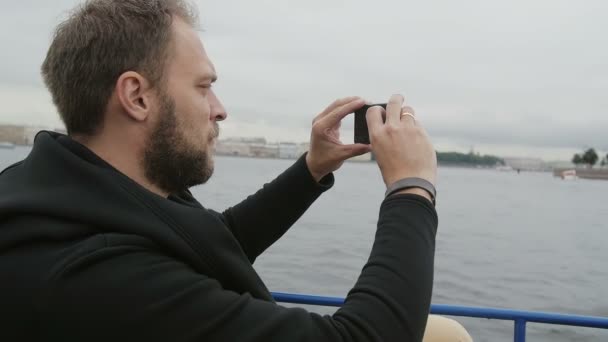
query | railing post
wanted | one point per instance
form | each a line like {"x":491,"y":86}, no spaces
{"x":520,"y":330}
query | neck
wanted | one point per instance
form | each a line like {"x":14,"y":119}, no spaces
{"x":123,"y":155}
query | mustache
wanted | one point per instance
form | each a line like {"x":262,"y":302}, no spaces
{"x":216,"y":131}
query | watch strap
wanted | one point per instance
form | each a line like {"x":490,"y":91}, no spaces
{"x":412,"y":182}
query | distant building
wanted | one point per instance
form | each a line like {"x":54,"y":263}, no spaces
{"x":288,"y":150}
{"x":246,"y":140}
{"x":259,"y":148}
{"x":13,"y":134}
{"x":526,"y":164}
{"x":264,"y":150}
{"x":232,"y":148}
{"x":239,"y":147}
{"x":560,"y":165}
{"x":22,"y":134}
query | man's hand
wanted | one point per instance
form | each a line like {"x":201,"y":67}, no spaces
{"x":327,"y":152}
{"x":401,"y":145}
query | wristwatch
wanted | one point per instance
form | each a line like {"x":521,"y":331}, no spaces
{"x":412,"y":182}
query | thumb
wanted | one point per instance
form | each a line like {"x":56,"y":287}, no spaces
{"x":354,"y":150}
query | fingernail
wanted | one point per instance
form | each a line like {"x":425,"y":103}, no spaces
{"x":399,"y":95}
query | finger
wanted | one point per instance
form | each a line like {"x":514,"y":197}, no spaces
{"x":337,"y":103}
{"x":423,"y":131}
{"x":393,"y":109}
{"x":408,"y":109}
{"x":408,"y":115}
{"x":333,"y":118}
{"x":374,"y":119}
{"x":354,"y":150}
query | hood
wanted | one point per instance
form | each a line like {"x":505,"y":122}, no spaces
{"x":62,"y":180}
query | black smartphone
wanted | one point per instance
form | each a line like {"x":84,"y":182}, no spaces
{"x":361,"y":131}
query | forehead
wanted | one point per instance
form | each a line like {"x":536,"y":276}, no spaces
{"x":188,"y":55}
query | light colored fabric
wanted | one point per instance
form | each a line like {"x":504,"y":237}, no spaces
{"x":442,"y":329}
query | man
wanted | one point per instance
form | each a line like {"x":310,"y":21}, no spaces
{"x":100,"y":239}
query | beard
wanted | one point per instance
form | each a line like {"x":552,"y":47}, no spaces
{"x":170,"y":161}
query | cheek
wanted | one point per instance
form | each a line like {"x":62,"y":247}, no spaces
{"x":205,"y":109}
{"x":200,"y":108}
{"x":196,"y":113}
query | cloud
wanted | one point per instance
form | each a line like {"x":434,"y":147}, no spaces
{"x":485,"y":73}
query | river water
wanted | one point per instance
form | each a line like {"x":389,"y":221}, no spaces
{"x":524,"y":241}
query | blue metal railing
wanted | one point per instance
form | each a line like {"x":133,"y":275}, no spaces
{"x":518,"y":316}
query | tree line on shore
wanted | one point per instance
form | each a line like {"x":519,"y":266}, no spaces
{"x":589,"y":158}
{"x":472,"y":159}
{"x":466,"y":159}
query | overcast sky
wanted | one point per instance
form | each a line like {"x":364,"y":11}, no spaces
{"x":514,"y":78}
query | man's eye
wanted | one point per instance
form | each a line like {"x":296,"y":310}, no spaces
{"x":205,"y":86}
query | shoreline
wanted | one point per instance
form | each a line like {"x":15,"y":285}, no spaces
{"x":585,"y":173}
{"x":439,"y":164}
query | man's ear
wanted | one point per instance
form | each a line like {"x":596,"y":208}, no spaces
{"x":133,"y":92}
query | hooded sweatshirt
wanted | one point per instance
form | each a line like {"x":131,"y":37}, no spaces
{"x":87,"y":254}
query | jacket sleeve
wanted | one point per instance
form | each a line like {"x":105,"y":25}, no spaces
{"x":262,"y":218}
{"x":127,"y":293}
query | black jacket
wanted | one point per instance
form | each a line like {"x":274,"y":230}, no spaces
{"x":86,"y":254}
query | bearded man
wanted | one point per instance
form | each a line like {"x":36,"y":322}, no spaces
{"x":101,"y":240}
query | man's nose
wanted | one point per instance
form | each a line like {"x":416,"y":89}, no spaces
{"x":218,"y":112}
